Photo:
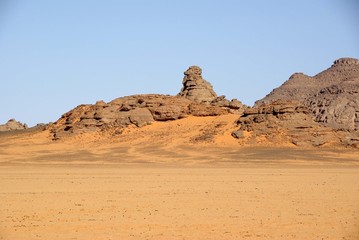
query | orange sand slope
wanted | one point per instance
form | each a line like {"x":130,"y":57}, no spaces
{"x":192,"y":140}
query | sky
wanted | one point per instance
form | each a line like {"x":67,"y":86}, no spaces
{"x":55,"y":55}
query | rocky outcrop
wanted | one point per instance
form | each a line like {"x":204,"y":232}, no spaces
{"x":233,"y":105}
{"x":346,"y":62}
{"x":305,"y":111}
{"x":195,"y":87}
{"x":196,"y":98}
{"x":12,"y":124}
{"x":284,"y":122}
{"x":137,"y":110}
{"x":337,"y":106}
{"x":331,"y":96}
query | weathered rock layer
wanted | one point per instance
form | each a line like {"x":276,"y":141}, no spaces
{"x":284,"y":122}
{"x":138,"y":110}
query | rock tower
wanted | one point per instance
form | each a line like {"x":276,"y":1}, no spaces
{"x":195,"y":87}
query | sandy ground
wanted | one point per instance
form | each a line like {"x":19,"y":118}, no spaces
{"x":185,"y":179}
{"x":188,"y":141}
{"x":146,"y":202}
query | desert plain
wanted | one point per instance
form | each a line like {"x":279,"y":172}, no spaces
{"x":125,"y":188}
{"x":191,"y":166}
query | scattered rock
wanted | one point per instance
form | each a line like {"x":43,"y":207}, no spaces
{"x":238,"y":134}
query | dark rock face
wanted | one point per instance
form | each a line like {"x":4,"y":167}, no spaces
{"x":331,"y":96}
{"x":283,"y":122}
{"x":12,"y":124}
{"x":337,"y":106}
{"x":195,"y":87}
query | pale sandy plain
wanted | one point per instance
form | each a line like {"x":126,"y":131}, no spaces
{"x":186,"y":179}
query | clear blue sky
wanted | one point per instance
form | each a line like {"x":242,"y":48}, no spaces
{"x":55,"y":55}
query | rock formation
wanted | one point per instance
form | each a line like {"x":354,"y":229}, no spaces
{"x":195,"y":87}
{"x":337,"y":106}
{"x":331,"y":96}
{"x":305,"y":111}
{"x":138,"y":110}
{"x":12,"y":124}
{"x":284,"y":122}
{"x":197,"y":98}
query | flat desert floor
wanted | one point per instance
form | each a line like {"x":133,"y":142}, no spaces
{"x":165,"y":202}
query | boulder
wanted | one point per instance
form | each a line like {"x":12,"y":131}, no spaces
{"x":141,"y":117}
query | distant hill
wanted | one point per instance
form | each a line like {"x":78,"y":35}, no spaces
{"x":332,"y":96}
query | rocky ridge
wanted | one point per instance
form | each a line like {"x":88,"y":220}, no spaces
{"x":332,"y":96}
